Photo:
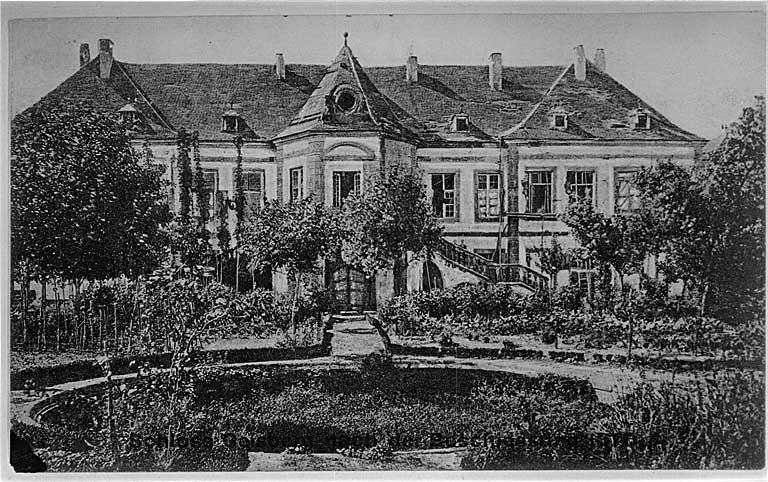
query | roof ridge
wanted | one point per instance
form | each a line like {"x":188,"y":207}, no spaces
{"x":352,"y":62}
{"x":143,"y":96}
{"x":536,"y":107}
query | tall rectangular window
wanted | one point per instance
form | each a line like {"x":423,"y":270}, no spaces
{"x":253,"y":187}
{"x":627,"y":194}
{"x":297,"y":184}
{"x":210,"y":188}
{"x":580,"y":184}
{"x":444,"y":195}
{"x":487,"y":195}
{"x":344,"y":184}
{"x":539,"y":192}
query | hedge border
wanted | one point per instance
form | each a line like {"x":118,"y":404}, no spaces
{"x":577,"y":356}
{"x":88,"y":369}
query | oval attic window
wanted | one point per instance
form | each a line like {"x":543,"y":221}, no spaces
{"x":346,"y":100}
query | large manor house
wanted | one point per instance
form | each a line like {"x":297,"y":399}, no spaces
{"x":500,"y":147}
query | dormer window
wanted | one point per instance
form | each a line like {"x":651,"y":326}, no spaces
{"x":128,"y":115}
{"x":231,"y":121}
{"x":559,"y":119}
{"x":460,"y":123}
{"x":642,"y":120}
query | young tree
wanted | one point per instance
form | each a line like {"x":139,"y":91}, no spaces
{"x":291,"y":236}
{"x":387,"y":220}
{"x":552,"y":260}
{"x":618,"y":241}
{"x":201,"y":194}
{"x":184,"y":165}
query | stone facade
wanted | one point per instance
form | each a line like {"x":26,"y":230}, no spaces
{"x":476,"y":134}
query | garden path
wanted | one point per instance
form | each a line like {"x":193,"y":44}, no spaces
{"x":354,"y":337}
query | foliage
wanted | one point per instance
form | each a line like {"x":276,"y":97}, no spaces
{"x":615,"y":240}
{"x":201,"y":195}
{"x":83,"y":204}
{"x":184,"y":166}
{"x":719,"y":424}
{"x":189,"y":242}
{"x":389,"y":218}
{"x":292,"y":236}
{"x":464,"y":308}
{"x":553,"y":259}
{"x":710,"y":221}
{"x":239,"y":189}
{"x":222,"y":232}
{"x":507,"y":421}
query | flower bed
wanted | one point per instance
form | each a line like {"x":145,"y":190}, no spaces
{"x":480,"y":312}
{"x":506,"y":421}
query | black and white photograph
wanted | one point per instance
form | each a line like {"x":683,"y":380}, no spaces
{"x":394,"y":240}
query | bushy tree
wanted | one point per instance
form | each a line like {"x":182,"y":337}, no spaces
{"x":387,"y":220}
{"x":83,"y":203}
{"x":290,"y":236}
{"x":709,"y":221}
{"x":619,"y":240}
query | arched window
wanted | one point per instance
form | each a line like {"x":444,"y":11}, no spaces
{"x":431,"y":279}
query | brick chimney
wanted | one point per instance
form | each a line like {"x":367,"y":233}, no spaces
{"x":580,"y":63}
{"x":105,"y":58}
{"x":85,"y":54}
{"x":412,"y":69}
{"x":600,"y":60}
{"x":280,"y":66}
{"x":495,"y":71}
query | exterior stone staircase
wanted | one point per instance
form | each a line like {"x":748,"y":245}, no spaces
{"x":515,"y":274}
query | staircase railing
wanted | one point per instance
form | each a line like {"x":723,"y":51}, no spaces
{"x":489,"y":271}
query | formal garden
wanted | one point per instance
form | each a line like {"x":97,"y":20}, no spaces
{"x":168,"y":356}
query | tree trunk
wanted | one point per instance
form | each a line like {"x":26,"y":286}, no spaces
{"x":25,"y":303}
{"x":385,"y":340}
{"x":704,"y":295}
{"x":41,"y":328}
{"x":398,"y":269}
{"x":294,"y":308}
{"x":237,"y":271}
{"x":58,"y":321}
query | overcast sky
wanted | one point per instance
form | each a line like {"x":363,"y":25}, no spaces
{"x":698,"y":68}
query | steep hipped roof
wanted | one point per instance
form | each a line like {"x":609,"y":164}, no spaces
{"x":374,"y":111}
{"x":598,"y":107}
{"x":194,"y":96}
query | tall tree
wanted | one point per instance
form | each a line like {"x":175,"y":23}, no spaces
{"x":201,"y":194}
{"x":387,"y":220}
{"x":83,"y":203}
{"x":185,"y":175}
{"x":710,"y":220}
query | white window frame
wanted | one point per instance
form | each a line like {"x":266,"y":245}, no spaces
{"x":548,"y":195}
{"x":448,"y":205}
{"x":578,"y":183}
{"x":633,"y":196}
{"x":337,"y":176}
{"x":211,"y":193}
{"x":251,"y":194}
{"x":296,"y":184}
{"x":484,"y":195}
{"x":564,"y":118}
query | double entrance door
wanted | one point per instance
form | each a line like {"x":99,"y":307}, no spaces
{"x":352,"y":289}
